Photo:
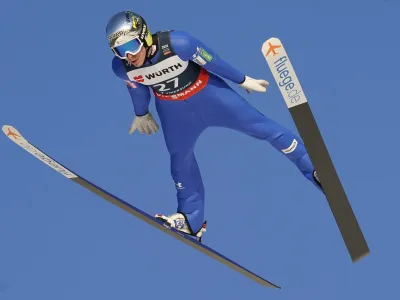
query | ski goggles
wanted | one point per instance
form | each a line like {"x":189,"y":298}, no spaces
{"x":132,"y":47}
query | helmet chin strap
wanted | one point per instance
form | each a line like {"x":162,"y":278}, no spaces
{"x":148,"y":53}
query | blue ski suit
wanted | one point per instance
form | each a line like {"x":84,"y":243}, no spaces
{"x":190,"y":96}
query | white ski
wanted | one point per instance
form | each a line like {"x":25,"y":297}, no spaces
{"x":17,"y":138}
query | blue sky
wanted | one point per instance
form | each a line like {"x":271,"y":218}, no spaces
{"x":59,"y":241}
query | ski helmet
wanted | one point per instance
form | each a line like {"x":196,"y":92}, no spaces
{"x":127,"y":32}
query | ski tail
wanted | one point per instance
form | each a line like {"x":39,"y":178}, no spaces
{"x":14,"y":135}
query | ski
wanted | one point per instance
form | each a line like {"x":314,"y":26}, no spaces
{"x":17,"y":138}
{"x":297,"y":103}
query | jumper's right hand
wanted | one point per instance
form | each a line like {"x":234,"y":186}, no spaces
{"x":145,"y":124}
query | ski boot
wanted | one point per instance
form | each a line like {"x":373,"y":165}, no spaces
{"x":179,"y":222}
{"x":317,"y":181}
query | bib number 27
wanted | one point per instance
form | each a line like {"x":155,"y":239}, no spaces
{"x":162,"y":87}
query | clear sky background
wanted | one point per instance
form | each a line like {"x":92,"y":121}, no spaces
{"x":59,"y":241}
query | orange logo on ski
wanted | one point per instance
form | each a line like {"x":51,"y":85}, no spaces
{"x":13,"y":134}
{"x":272,"y":49}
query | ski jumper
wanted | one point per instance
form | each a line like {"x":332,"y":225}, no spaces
{"x":190,"y":96}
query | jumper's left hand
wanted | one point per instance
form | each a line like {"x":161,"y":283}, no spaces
{"x":251,"y":84}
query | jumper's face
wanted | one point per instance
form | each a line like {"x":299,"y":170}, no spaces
{"x":138,"y":59}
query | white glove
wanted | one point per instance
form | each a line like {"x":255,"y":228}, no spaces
{"x":251,"y":84}
{"x":145,"y":124}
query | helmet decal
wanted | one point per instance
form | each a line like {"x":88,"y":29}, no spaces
{"x":135,"y":22}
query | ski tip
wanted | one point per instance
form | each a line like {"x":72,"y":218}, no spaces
{"x":271,"y":47}
{"x":12,"y":133}
{"x":271,"y":40}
